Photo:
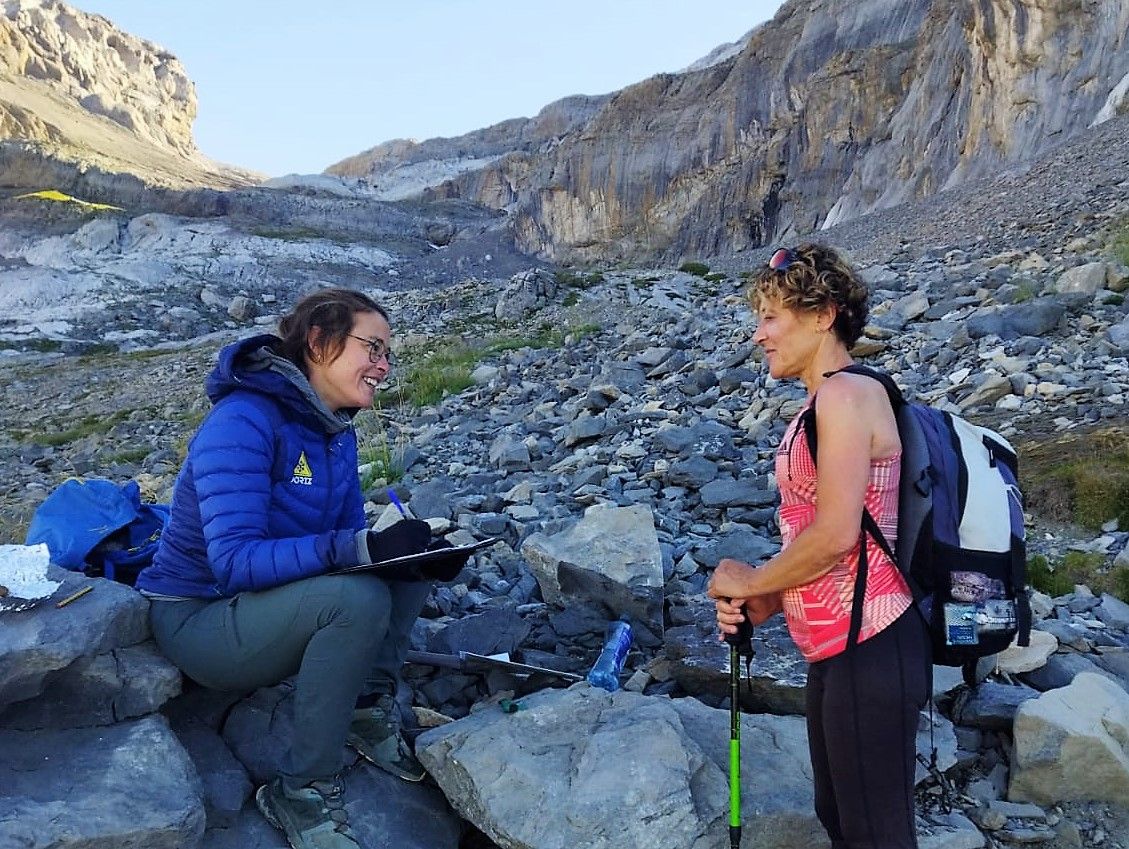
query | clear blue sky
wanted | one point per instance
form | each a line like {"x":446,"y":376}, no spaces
{"x":286,"y":86}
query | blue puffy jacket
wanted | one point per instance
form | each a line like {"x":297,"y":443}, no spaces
{"x":269,"y":491}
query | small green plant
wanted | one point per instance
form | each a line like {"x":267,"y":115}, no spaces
{"x":87,"y":426}
{"x":574,"y":280}
{"x":1119,"y":242}
{"x":571,"y":299}
{"x":130,"y":455}
{"x":714,"y":277}
{"x":1023,"y":292}
{"x":1077,"y":567}
{"x":1119,"y":581}
{"x":383,"y":460}
{"x":445,"y":369}
{"x":698,"y":269}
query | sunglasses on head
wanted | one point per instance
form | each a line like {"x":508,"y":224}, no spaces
{"x":783,"y":259}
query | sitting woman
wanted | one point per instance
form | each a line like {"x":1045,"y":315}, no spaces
{"x":266,"y":508}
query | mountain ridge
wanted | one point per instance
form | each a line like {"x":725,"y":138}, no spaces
{"x":829,"y":111}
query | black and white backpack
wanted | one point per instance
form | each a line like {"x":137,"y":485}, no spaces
{"x":961,"y":543}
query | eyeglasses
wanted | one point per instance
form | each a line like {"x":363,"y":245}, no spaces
{"x":783,"y":259}
{"x":377,"y":350}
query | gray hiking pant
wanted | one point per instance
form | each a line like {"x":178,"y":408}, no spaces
{"x":341,"y":635}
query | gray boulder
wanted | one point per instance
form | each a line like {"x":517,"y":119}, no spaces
{"x":1087,"y":278}
{"x":1061,"y":669}
{"x":575,"y":758}
{"x":1119,"y":335}
{"x":490,"y":632}
{"x":39,"y":642}
{"x":528,"y":291}
{"x":990,"y":706}
{"x":124,"y":786}
{"x":610,"y":559}
{"x":774,"y":682}
{"x":122,"y":684}
{"x":1036,"y":318}
{"x":509,"y":453}
{"x":741,"y":544}
{"x":224,"y":782}
{"x":1113,"y":612}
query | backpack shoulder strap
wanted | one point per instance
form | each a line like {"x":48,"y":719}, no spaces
{"x":807,"y":420}
{"x":897,"y":400}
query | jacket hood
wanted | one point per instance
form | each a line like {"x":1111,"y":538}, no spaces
{"x":251,"y":365}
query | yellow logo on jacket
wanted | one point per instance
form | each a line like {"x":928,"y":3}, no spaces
{"x":302,"y":473}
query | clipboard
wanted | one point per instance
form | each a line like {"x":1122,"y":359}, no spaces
{"x":411,"y":567}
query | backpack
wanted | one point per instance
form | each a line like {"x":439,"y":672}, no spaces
{"x":99,"y":527}
{"x":961,"y":543}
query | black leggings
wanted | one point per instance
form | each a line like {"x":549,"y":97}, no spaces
{"x":862,"y":716}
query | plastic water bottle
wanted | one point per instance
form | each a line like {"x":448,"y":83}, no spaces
{"x":605,"y":671}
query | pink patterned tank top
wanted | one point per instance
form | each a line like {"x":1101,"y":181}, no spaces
{"x":819,"y":613}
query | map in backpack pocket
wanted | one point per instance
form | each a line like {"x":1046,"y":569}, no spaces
{"x":960,"y":625}
{"x":975,"y":587}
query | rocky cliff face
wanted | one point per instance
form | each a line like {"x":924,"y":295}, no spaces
{"x":834,"y":109}
{"x":84,"y":58}
{"x":75,"y":88}
{"x":401,"y":168}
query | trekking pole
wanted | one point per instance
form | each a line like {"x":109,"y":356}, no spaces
{"x":740,"y":645}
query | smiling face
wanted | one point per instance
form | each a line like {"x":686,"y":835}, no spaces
{"x":348,"y":378}
{"x":789,"y":338}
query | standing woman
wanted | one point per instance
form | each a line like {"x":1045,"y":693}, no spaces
{"x":267,"y":506}
{"x":864,"y":690}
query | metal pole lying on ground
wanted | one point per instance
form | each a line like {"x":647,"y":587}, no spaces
{"x":466,"y":661}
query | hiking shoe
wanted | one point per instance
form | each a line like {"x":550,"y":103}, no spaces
{"x":375,"y":733}
{"x":313,"y":817}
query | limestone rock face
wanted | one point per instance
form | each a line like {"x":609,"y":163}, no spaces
{"x":832,"y":110}
{"x":86,"y":107}
{"x":57,"y":51}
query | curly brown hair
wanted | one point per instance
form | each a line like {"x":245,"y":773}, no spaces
{"x":815,"y":278}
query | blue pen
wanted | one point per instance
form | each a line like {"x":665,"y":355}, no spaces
{"x":396,"y":501}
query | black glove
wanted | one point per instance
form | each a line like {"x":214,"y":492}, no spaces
{"x":443,"y":568}
{"x":410,"y":536}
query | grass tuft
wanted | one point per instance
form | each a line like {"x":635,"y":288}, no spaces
{"x":87,"y":426}
{"x":445,"y":367}
{"x":1081,"y":477}
{"x":1119,"y":242}
{"x":1078,"y":567}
